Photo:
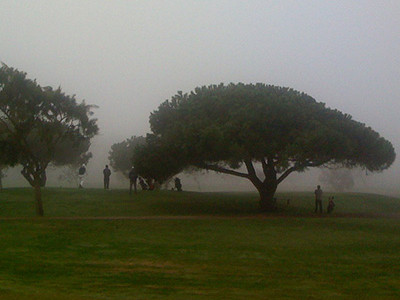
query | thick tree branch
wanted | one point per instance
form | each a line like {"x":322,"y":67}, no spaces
{"x":219,"y":169}
{"x":297,"y":167}
{"x":269,"y":170}
{"x":286,"y":174}
{"x":250,"y":167}
{"x":27,"y":176}
{"x":252,"y":173}
{"x":265,"y":167}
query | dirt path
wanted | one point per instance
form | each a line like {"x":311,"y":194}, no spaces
{"x":210,"y":217}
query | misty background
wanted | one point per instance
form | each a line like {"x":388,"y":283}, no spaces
{"x":127,"y":57}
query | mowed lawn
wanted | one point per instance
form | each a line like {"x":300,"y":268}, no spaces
{"x":226,"y":250}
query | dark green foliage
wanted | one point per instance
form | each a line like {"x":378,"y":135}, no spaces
{"x":41,"y":126}
{"x":156,"y":160}
{"x":222,"y":128}
{"x":236,"y":122}
{"x":120,"y":156}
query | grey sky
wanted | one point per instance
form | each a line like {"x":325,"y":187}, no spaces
{"x":129,"y":56}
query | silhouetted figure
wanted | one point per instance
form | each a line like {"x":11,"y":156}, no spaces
{"x":107,"y":174}
{"x":132,"y":180}
{"x":178,"y":184}
{"x":143,"y":184}
{"x":81,"y":175}
{"x":318,"y":199}
{"x":331,"y":205}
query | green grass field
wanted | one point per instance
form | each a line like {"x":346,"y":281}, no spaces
{"x":222,"y":249}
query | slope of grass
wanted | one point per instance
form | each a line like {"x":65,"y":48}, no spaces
{"x":289,"y":256}
{"x":200,"y":259}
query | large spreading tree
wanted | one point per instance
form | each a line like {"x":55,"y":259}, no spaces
{"x":40,"y":126}
{"x":231,"y":128}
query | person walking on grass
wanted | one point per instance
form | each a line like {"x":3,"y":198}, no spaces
{"x":107,"y":174}
{"x":132,"y":180}
{"x":178,"y":184}
{"x":81,"y":175}
{"x":318,"y":199}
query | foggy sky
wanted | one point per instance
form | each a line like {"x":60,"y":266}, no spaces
{"x":129,"y":56}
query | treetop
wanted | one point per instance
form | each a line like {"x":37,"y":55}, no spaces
{"x":231,"y":123}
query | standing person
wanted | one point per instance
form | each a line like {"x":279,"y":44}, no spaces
{"x":318,"y":199}
{"x":81,"y":175}
{"x":107,"y":174}
{"x":132,"y":180}
{"x":178,"y":184}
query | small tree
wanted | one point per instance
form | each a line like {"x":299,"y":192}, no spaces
{"x":156,"y":160}
{"x":40,"y":126}
{"x":230,"y":128}
{"x":120,"y":155}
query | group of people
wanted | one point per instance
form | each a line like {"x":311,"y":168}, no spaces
{"x":82,"y":175}
{"x":318,"y":201}
{"x":148,"y":184}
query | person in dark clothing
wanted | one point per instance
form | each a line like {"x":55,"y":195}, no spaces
{"x":178,"y":184}
{"x":318,"y":199}
{"x":107,"y":174}
{"x":132,"y":180}
{"x":331,"y":205}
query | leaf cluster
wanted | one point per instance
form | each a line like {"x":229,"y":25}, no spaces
{"x":156,"y":160}
{"x":121,"y":154}
{"x":41,"y":125}
{"x":228,"y":124}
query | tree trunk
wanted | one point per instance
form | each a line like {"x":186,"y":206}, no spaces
{"x":267,"y":200}
{"x":38,"y":198}
{"x":35,"y":179}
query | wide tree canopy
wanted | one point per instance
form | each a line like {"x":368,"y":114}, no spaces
{"x":229,"y":128}
{"x":40,"y":126}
